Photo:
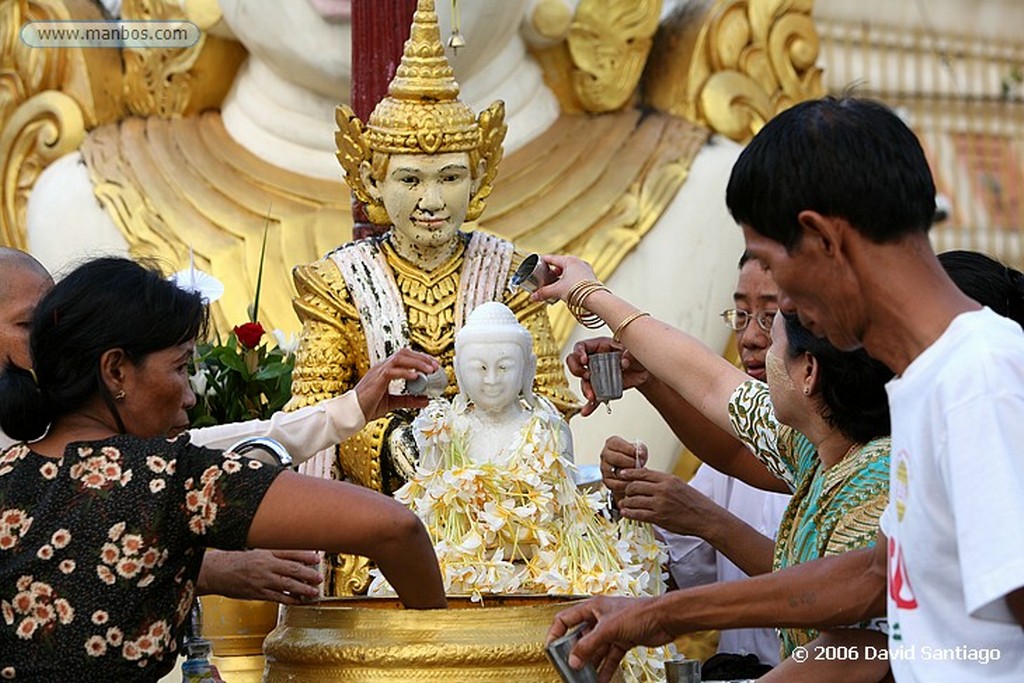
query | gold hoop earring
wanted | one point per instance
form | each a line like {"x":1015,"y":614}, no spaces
{"x":119,"y":396}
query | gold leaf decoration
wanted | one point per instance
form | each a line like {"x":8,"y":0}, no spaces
{"x":733,"y":64}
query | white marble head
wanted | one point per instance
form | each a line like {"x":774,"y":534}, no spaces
{"x":494,"y":360}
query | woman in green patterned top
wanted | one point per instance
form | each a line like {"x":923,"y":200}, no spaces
{"x":820,"y":425}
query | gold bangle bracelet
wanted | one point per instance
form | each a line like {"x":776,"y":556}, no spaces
{"x":575,"y":299}
{"x":626,"y":322}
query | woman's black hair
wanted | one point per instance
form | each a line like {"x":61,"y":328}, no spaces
{"x":987,"y":281}
{"x":852,"y":384}
{"x":107,"y":303}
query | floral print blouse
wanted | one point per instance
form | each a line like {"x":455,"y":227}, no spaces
{"x":100,"y":551}
{"x":832,"y":510}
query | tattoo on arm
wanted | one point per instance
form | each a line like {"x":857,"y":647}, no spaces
{"x":804,"y":599}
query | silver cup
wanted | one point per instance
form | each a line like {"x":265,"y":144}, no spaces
{"x":678,"y":670}
{"x":558,"y":652}
{"x":432,"y":385}
{"x":532,"y":274}
{"x":606,"y":375}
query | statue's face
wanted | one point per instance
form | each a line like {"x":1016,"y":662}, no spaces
{"x":427,"y":196}
{"x":491,"y":374}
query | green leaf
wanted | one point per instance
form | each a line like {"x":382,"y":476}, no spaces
{"x":272,"y":371}
{"x":254,"y":313}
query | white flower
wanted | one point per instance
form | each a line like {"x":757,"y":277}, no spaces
{"x":199,"y":381}
{"x":289,"y":345}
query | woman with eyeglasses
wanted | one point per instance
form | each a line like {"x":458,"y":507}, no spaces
{"x":819,"y":425}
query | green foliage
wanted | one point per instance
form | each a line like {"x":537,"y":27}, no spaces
{"x":234,"y":383}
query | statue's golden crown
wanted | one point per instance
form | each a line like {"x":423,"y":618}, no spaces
{"x":422,"y":112}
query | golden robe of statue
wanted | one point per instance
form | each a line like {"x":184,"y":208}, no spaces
{"x":345,"y":329}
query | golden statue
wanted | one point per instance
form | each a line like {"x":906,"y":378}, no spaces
{"x":425,"y":163}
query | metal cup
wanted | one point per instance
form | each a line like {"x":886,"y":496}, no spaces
{"x":558,"y":652}
{"x":432,"y":385}
{"x":678,"y":670}
{"x":532,"y":274}
{"x":606,"y":375}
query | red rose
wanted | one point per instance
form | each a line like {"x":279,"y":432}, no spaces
{"x":249,"y":334}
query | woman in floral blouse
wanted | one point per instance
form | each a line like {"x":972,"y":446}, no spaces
{"x":820,"y":425}
{"x":104,"y":519}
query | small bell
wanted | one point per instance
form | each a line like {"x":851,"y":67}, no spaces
{"x":455,"y":41}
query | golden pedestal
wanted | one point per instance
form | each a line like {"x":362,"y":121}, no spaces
{"x":375,"y":639}
{"x":236,"y":629}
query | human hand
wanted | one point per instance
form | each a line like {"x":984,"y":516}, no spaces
{"x":617,"y":624}
{"x":570,"y":271}
{"x":372,"y":390}
{"x":284,"y":576}
{"x":634,"y":374}
{"x":666,"y":500}
{"x":618,"y":456}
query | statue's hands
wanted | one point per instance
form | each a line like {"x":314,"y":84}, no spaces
{"x":634,"y":374}
{"x":285,"y":576}
{"x":666,"y":500}
{"x":372,"y":390}
{"x":570,"y":270}
{"x":618,"y":456}
{"x":404,"y":454}
{"x":616,"y":626}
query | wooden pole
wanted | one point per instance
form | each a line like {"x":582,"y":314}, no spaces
{"x":379,"y":31}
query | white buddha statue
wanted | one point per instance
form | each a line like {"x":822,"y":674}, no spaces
{"x":495,"y":488}
{"x":494,"y":367}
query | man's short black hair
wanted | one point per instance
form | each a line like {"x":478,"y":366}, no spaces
{"x":843,"y":157}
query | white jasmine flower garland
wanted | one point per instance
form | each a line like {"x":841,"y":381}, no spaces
{"x":524,"y":527}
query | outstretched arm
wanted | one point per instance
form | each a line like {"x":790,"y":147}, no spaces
{"x":307,"y":512}
{"x":700,"y":376}
{"x":832,"y":591}
{"x":717,"y":447}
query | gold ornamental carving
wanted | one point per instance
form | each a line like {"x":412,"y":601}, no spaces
{"x":597,"y":64}
{"x":733,"y":64}
{"x":44,"y":128}
{"x":47,"y":101}
{"x":367,"y":640}
{"x":167,"y":82}
{"x":609,"y":43}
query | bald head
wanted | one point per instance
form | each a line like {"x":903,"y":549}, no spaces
{"x":23,"y":282}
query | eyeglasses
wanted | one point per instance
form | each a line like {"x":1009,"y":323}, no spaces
{"x":738,"y":320}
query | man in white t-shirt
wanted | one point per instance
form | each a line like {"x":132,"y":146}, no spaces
{"x":835,"y":196}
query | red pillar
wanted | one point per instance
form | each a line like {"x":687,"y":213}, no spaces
{"x":379,"y":31}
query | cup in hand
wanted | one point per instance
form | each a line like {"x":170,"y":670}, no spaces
{"x":532,"y":274}
{"x":679,"y":670}
{"x":606,"y":375}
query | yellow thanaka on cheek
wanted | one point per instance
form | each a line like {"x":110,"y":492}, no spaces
{"x":775,"y":369}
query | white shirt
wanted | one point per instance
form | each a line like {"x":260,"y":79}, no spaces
{"x":956,"y":547}
{"x":694,"y":562}
{"x":302,"y":432}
